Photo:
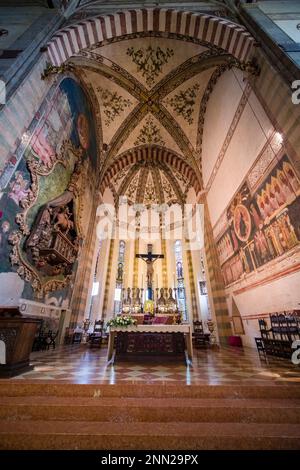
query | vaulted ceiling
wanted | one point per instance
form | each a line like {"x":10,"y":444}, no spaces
{"x":148,"y":91}
{"x":149,"y":74}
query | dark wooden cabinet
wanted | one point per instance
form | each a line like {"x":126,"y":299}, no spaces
{"x":17,"y":333}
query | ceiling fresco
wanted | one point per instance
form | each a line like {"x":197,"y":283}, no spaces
{"x":150,"y":183}
{"x":150,"y":90}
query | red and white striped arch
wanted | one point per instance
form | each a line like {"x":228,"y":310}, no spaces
{"x":225,"y":34}
{"x":150,"y":153}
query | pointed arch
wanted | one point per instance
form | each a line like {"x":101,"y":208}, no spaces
{"x":150,"y":153}
{"x":225,"y":34}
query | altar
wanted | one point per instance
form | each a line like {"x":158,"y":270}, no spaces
{"x":172,"y":334}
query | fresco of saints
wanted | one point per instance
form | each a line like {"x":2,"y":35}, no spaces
{"x":273,"y":201}
{"x":268,"y":209}
{"x":42,"y":147}
{"x":261,"y":246}
{"x":256,"y":217}
{"x":293,"y":180}
{"x":279,"y":193}
{"x":18,"y":188}
{"x":285,"y":186}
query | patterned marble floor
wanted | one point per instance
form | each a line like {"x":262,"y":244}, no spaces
{"x":79,"y":364}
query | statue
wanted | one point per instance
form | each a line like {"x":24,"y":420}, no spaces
{"x":63,"y":221}
{"x":53,"y":243}
{"x":149,"y":258}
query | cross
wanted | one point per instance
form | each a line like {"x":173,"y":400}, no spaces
{"x":149,"y":258}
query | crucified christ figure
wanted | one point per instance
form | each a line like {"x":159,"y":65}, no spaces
{"x":149,"y":258}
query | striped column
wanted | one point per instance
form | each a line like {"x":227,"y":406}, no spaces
{"x":108,"y":279}
{"x":164,"y":252}
{"x":136,"y":260}
{"x":82,"y":282}
{"x":191,"y":279}
{"x":215,"y":278}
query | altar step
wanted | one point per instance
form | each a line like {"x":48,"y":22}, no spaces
{"x":74,"y":416}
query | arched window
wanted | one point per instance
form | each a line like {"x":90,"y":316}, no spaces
{"x":120,"y":277}
{"x":181,"y":299}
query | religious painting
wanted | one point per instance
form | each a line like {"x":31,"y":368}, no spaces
{"x":69,"y":118}
{"x":261,"y":225}
{"x":242,"y":222}
{"x":41,"y":206}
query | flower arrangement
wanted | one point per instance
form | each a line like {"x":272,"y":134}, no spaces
{"x":123,"y":321}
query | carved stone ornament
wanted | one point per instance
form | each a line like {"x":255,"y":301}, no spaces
{"x":52,"y":244}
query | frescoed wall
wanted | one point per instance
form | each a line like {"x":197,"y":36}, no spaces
{"x":57,"y":168}
{"x":262,"y":224}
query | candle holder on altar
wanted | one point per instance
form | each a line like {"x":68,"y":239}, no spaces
{"x":211,"y":328}
{"x":86,"y":324}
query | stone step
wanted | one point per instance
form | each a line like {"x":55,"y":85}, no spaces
{"x":17,"y":388}
{"x":150,"y":409}
{"x":155,"y":435}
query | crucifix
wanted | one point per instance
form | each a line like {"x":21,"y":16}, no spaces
{"x":149,"y":258}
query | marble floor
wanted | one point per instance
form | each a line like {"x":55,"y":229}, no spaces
{"x":80,"y":364}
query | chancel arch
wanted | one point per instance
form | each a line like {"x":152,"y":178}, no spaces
{"x":227,"y":35}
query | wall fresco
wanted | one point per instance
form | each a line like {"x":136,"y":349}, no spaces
{"x":64,"y":138}
{"x":262,"y":224}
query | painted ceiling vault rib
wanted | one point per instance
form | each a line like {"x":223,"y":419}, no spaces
{"x":151,"y":72}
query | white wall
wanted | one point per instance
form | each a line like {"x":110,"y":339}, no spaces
{"x":219,"y":114}
{"x":279,"y":295}
{"x":250,"y":135}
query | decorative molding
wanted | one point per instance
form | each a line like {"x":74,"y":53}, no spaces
{"x":149,"y":134}
{"x":183,"y":103}
{"x":267,"y":155}
{"x":113,"y":104}
{"x":150,"y":61}
{"x":55,"y":70}
{"x":25,"y":270}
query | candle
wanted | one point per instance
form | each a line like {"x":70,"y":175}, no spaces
{"x":142,"y":280}
{"x":157,"y":280}
{"x":174,"y":280}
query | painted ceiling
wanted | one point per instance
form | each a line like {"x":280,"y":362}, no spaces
{"x":150,"y":183}
{"x":147,"y":90}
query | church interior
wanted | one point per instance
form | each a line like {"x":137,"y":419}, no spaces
{"x":149,"y":224}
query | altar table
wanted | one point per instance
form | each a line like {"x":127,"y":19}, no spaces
{"x":184,"y":328}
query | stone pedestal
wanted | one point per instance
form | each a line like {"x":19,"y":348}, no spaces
{"x":17,"y":333}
